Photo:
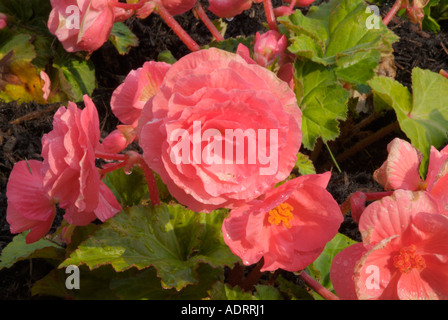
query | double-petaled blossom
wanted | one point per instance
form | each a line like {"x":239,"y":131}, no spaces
{"x":29,"y":206}
{"x":289,"y":227}
{"x":403,"y":255}
{"x":70,"y":175}
{"x":401,"y":171}
{"x":207,"y":100}
{"x":82,"y":25}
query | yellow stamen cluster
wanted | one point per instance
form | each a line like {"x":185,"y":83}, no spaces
{"x":281,"y":213}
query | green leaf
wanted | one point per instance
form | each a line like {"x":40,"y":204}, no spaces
{"x":172,"y":239}
{"x":320,"y":268}
{"x":304,"y":164}
{"x":129,"y":189}
{"x":93,"y":284}
{"x":145,"y":285}
{"x":265,"y":292}
{"x":335,"y":34}
{"x":231,"y":44}
{"x":122,"y":38}
{"x":166,"y":56}
{"x":322,"y":100}
{"x":18,"y":250}
{"x":223,"y":291}
{"x":75,"y":76}
{"x":422,"y":115}
{"x":293,"y":291}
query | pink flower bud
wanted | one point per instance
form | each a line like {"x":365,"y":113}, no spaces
{"x":81,"y":25}
{"x":47,"y":84}
{"x":119,"y":139}
{"x":229,"y":8}
{"x":268,"y":47}
{"x":3,"y":20}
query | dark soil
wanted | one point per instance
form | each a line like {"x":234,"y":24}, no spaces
{"x":22,"y":126}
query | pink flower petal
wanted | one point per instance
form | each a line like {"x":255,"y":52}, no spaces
{"x":401,"y":169}
{"x":342,"y":271}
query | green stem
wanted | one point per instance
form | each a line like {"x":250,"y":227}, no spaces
{"x":333,"y":158}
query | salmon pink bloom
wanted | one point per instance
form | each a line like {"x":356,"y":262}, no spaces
{"x":70,"y":174}
{"x":139,"y":86}
{"x":3,"y":20}
{"x":29,"y":206}
{"x":176,"y":7}
{"x":81,"y":25}
{"x":401,"y":171}
{"x":403,"y":254}
{"x":289,"y":227}
{"x":220,"y":131}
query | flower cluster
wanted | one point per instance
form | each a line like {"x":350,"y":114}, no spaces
{"x":402,"y":255}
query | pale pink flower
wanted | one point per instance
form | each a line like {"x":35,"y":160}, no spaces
{"x":220,"y":91}
{"x":289,"y":227}
{"x":270,"y":46}
{"x":81,"y":25}
{"x":228,"y":8}
{"x":29,"y":206}
{"x":139,"y":86}
{"x":401,"y":171}
{"x":71,"y":177}
{"x":403,"y":255}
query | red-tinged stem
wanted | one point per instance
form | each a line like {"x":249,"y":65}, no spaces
{"x":111,"y":168}
{"x":372,"y":196}
{"x":176,"y":27}
{"x":208,"y":23}
{"x":111,"y":156}
{"x":151,"y":181}
{"x":444,"y":73}
{"x":316,"y":286}
{"x":270,"y":15}
{"x":392,"y":12}
{"x":292,"y":4}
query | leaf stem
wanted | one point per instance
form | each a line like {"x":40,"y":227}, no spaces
{"x":111,"y":156}
{"x":176,"y":27}
{"x":392,"y":12}
{"x":270,"y":15}
{"x":208,"y":23}
{"x":316,"y":286}
{"x":151,"y":181}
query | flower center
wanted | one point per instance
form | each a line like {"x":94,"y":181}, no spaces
{"x":407,"y":259}
{"x":281,"y":213}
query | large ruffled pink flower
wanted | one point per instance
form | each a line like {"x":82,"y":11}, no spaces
{"x":289,"y":228}
{"x":401,"y":171}
{"x":81,"y":25}
{"x":29,"y":206}
{"x":220,"y":131}
{"x":403,"y":255}
{"x":70,"y":174}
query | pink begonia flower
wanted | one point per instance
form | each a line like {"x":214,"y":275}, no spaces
{"x":229,"y":8}
{"x":204,"y":94}
{"x":29,"y":206}
{"x":139,"y":86}
{"x":46,"y":88}
{"x":289,"y":227}
{"x":401,"y":171}
{"x":403,"y":255}
{"x":3,"y":20}
{"x":81,"y":25}
{"x":71,"y":177}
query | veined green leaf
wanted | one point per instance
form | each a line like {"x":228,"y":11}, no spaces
{"x":172,"y":239}
{"x":422,"y":115}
